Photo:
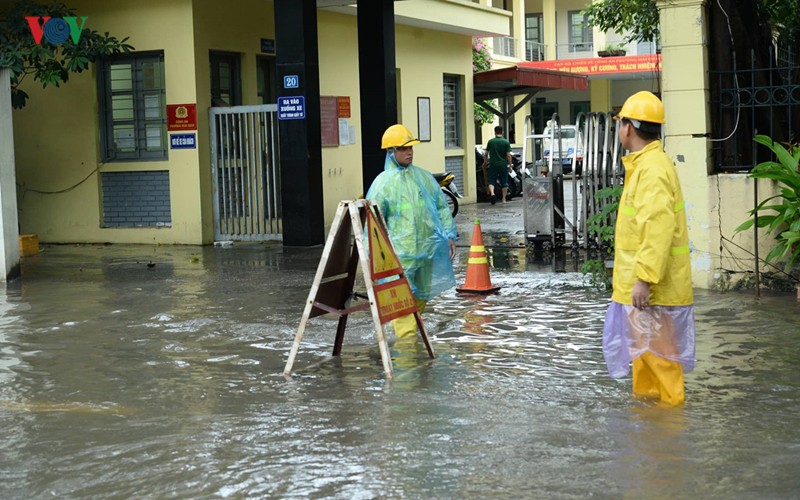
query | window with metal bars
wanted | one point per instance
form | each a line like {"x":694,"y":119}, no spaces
{"x":580,"y":33}
{"x":132,"y":107}
{"x":452,"y":111}
{"x":533,"y":28}
{"x":226,"y":79}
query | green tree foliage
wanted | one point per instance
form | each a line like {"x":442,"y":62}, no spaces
{"x":784,"y":16}
{"x":638,"y":19}
{"x":481,"y":61}
{"x":49,"y":64}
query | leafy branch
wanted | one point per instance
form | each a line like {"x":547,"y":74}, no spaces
{"x":636,"y":19}
{"x":784,"y":220}
{"x":481,"y":61}
{"x":601,"y":227}
{"x":49,"y":64}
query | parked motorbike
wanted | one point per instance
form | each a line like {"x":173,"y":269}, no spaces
{"x":481,"y":179}
{"x":447,"y":183}
{"x":515,"y":175}
{"x":520,"y":172}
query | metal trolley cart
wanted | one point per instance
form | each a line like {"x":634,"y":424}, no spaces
{"x":543,"y":190}
{"x":595,"y":152}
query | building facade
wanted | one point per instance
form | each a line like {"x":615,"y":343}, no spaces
{"x":552,"y":34}
{"x":98,"y":159}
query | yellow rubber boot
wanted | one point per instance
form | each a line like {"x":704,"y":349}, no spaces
{"x":406,"y":326}
{"x":656,"y":377}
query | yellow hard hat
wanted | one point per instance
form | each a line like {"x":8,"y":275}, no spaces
{"x":643,"y":106}
{"x":398,"y":136}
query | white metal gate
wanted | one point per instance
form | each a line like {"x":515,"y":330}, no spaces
{"x":598,"y":151}
{"x":245,"y":173}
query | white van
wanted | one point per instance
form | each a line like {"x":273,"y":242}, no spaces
{"x":571,"y":146}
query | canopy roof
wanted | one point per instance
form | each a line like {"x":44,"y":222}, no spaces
{"x":516,"y":80}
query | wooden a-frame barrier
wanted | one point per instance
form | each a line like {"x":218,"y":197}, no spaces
{"x":332,"y":288}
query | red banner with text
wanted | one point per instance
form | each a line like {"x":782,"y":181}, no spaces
{"x":649,"y":63}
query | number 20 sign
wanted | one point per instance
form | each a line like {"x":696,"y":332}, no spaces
{"x":291,"y":82}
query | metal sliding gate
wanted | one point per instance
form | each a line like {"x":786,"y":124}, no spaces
{"x":245,"y":173}
{"x":602,"y":168}
{"x":546,"y":219}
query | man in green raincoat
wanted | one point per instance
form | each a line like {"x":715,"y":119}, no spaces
{"x":420,"y":224}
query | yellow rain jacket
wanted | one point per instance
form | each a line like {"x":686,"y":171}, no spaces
{"x":651,"y":240}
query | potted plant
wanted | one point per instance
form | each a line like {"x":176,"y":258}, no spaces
{"x":780,"y":214}
{"x":612,"y":50}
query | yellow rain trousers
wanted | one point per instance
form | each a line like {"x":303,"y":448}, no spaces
{"x":652,"y":245}
{"x":656,"y":377}
{"x":406,"y":326}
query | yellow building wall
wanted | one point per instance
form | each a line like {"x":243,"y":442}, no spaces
{"x":217,"y":27}
{"x":56,"y":150}
{"x":422,"y":75}
{"x":422,"y":71}
{"x":736,"y":255}
{"x":57,"y":135}
{"x":338,"y":69}
{"x":600,"y":95}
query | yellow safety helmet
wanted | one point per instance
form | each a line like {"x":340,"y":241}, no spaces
{"x":398,"y":136}
{"x":643,"y":106}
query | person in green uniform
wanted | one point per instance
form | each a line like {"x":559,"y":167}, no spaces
{"x":498,"y":156}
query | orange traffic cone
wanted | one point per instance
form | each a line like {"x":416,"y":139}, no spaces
{"x":478,"y":281}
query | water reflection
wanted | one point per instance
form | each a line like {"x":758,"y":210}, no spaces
{"x":653,"y":454}
{"x":120,"y":379}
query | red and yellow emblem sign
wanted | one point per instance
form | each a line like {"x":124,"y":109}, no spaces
{"x":181,"y":117}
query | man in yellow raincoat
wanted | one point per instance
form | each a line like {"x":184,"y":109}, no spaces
{"x":420,"y":224}
{"x":650,"y":322}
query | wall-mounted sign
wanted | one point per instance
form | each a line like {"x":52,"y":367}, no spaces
{"x":183,"y":141}
{"x":344,"y":131}
{"x":291,"y":81}
{"x":267,"y":46}
{"x":181,"y":117}
{"x":424,"y":118}
{"x":343,"y":104}
{"x":329,"y":124}
{"x":292,"y":108}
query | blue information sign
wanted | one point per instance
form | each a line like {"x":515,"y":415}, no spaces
{"x":291,"y":82}
{"x":292,"y":108}
{"x":183,"y":141}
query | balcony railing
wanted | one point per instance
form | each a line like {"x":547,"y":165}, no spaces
{"x":645,"y":48}
{"x":504,"y":46}
{"x":575,"y":50}
{"x":534,"y":51}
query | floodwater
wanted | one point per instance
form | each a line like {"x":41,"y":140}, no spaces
{"x":121,"y":379}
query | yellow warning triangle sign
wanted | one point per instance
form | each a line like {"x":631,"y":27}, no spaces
{"x":382,"y":259}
